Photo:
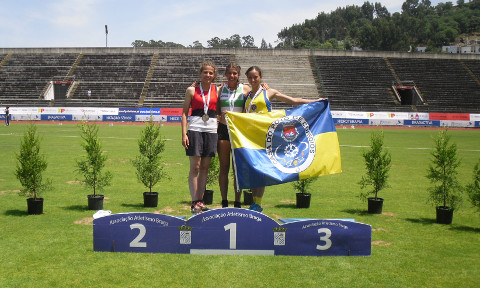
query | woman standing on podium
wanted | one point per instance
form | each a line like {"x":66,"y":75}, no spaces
{"x":258,"y":100}
{"x":232,"y":98}
{"x":200,"y":139}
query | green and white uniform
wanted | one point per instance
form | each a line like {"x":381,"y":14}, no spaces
{"x":232,"y":100}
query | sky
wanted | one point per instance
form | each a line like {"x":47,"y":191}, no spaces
{"x":81,"y":23}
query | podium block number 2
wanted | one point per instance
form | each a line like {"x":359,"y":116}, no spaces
{"x":325,"y":239}
{"x":141,"y":233}
{"x":233,"y":234}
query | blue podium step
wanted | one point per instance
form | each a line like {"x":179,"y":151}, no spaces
{"x":230,"y":231}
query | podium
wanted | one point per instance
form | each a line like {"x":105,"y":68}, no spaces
{"x":230,"y":231}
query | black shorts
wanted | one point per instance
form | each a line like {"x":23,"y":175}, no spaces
{"x":201,"y":144}
{"x":222,"y":132}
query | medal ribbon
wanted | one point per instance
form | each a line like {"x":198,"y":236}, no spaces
{"x":231,"y":100}
{"x":205,"y":104}
{"x":251,"y":101}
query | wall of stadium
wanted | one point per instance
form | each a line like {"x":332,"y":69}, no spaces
{"x":173,"y":115}
{"x":242,"y":51}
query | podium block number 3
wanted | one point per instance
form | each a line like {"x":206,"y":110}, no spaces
{"x":326,"y":239}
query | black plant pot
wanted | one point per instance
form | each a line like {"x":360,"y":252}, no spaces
{"x":95,"y":202}
{"x":303,"y":200}
{"x":150,"y":199}
{"x":247,"y":197}
{"x":444,"y":215}
{"x":375,"y":206}
{"x":208,"y":197}
{"x":35,"y":206}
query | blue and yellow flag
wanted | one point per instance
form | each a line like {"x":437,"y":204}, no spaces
{"x":283,"y":146}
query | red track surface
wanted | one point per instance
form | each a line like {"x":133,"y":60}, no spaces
{"x":178,"y":124}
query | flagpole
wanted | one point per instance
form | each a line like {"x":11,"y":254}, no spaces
{"x":106,"y":35}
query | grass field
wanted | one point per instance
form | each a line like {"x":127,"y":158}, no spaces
{"x":408,"y":248}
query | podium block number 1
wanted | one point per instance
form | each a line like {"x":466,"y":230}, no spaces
{"x":233,"y":234}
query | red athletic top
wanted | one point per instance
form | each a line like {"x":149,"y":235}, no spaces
{"x":196,"y":122}
{"x":197,"y":101}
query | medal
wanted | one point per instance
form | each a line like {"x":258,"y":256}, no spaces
{"x":252,"y":106}
{"x":205,"y":103}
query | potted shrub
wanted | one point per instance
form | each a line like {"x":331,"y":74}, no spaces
{"x":303,"y":196}
{"x":91,"y":166}
{"x":474,"y":187}
{"x":445,"y":193}
{"x":148,"y":163}
{"x":378,"y":164}
{"x":247,"y":197}
{"x":212,"y":177}
{"x":30,"y":166}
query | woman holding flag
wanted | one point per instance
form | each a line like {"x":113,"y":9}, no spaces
{"x":200,"y":139}
{"x":258,"y":100}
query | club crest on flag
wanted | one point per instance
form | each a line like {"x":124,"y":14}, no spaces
{"x":289,"y":131}
{"x":290,"y":144}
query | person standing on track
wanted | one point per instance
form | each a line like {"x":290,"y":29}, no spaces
{"x":7,"y":115}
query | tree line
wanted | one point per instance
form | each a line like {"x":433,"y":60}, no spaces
{"x":234,"y":41}
{"x":369,"y":27}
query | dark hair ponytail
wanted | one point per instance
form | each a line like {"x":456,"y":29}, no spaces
{"x":254,"y":68}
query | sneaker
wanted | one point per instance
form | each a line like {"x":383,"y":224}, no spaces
{"x":224,"y":203}
{"x":256,"y":207}
{"x":237,"y":204}
{"x":202,"y":206}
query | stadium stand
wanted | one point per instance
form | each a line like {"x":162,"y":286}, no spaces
{"x":445,"y":84}
{"x":358,"y":83}
{"x":147,"y":77}
{"x":174,"y":72}
{"x":23,"y":76}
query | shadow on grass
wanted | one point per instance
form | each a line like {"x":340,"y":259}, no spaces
{"x":360,"y":212}
{"x":465,"y":229}
{"x":291,"y":206}
{"x":429,"y":221}
{"x":18,"y":213}
{"x":133,"y":205}
{"x":80,"y":208}
{"x":423,"y":221}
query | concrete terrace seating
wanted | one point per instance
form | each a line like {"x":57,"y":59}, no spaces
{"x":357,"y":83}
{"x":110,"y":77}
{"x":474,"y":66}
{"x":24,"y":76}
{"x":113,"y":67}
{"x":174,"y":73}
{"x":292,"y":75}
{"x":444,"y":84}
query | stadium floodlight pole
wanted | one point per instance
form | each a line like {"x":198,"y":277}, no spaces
{"x":106,"y":35}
